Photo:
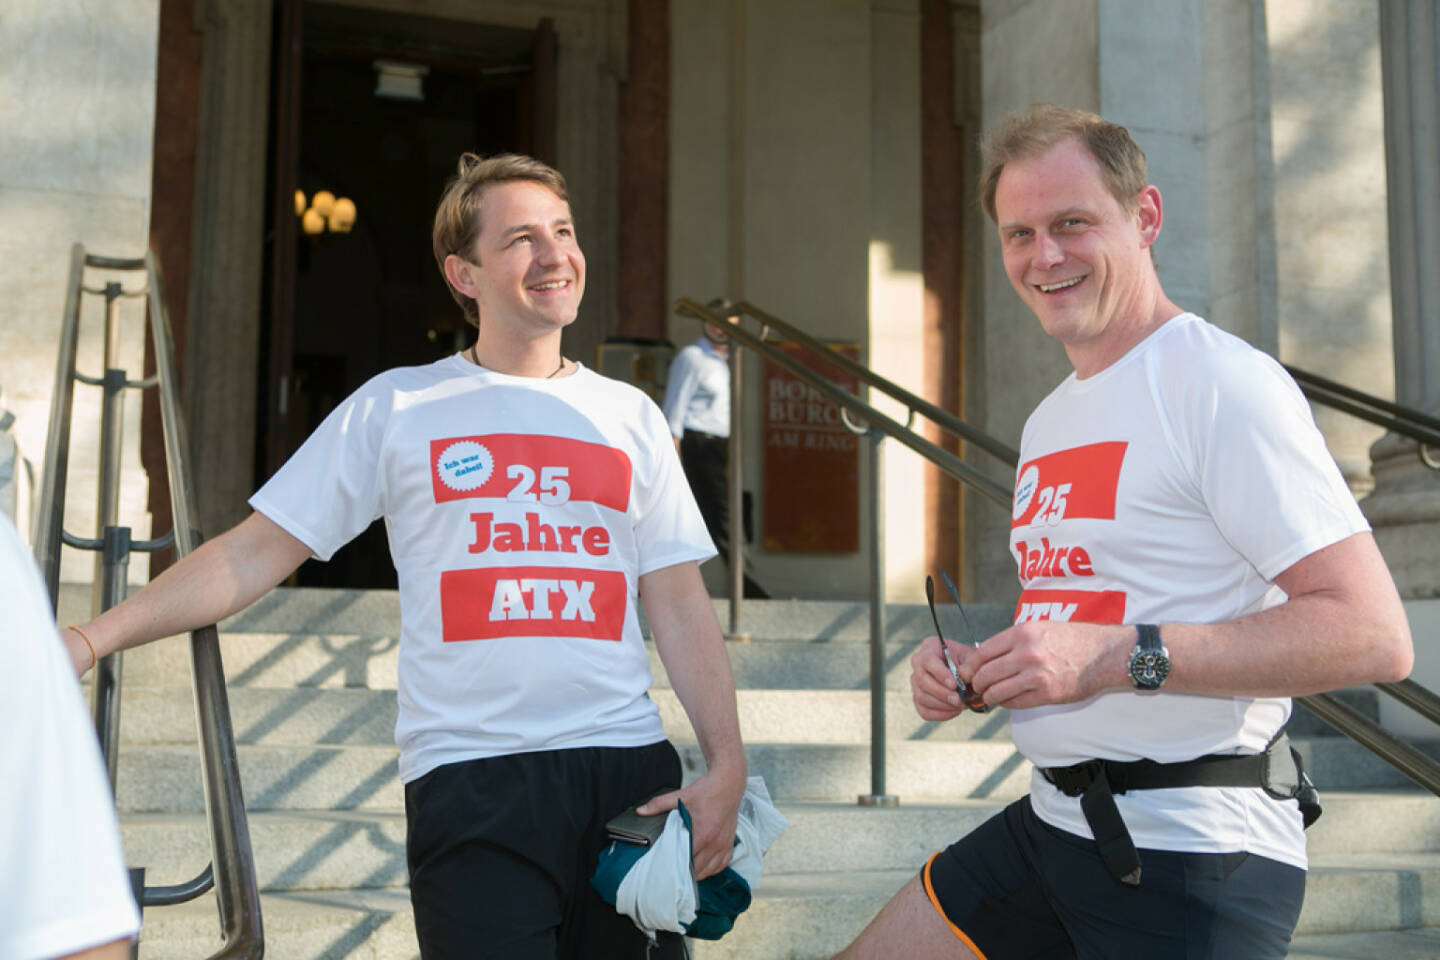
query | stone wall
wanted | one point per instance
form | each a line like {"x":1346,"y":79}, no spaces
{"x":77,"y":97}
{"x":795,"y":184}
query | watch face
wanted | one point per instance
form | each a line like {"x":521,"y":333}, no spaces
{"x":1149,"y":668}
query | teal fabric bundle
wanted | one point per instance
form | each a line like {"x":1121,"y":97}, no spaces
{"x":655,"y":886}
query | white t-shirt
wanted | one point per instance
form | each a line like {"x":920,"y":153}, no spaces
{"x":63,"y":885}
{"x":697,"y":394}
{"x":521,"y":514}
{"x":1173,"y":486}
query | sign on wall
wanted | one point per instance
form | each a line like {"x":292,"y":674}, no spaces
{"x":812,"y":461}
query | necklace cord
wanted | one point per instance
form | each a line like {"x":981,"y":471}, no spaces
{"x":475,"y":358}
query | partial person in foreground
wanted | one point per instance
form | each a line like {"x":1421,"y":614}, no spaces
{"x":697,"y":408}
{"x":529,"y":502}
{"x":64,"y":891}
{"x":1190,"y":558}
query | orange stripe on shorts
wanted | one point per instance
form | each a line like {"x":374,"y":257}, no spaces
{"x":930,"y":892}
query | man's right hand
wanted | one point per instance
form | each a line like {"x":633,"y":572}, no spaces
{"x":931,"y":685}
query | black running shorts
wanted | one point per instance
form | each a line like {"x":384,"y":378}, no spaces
{"x":501,"y":851}
{"x":1017,"y":888}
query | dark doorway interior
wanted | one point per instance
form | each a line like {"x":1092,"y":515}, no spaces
{"x":372,"y":299}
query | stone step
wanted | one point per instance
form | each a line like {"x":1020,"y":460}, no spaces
{"x":165,"y":778}
{"x":151,"y":715}
{"x":811,"y":916}
{"x":315,"y":662}
{"x":1385,"y":901}
{"x":353,"y":716}
{"x":362,"y":849}
{"x":326,"y":925}
{"x":376,"y":613}
{"x":282,"y":660}
{"x":1420,"y":943}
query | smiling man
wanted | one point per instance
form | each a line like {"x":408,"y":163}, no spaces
{"x":529,"y":503}
{"x":1190,"y":559}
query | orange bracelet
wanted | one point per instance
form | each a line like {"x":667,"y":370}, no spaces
{"x":94,"y":658}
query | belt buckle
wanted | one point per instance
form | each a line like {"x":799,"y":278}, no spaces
{"x":1074,"y":780}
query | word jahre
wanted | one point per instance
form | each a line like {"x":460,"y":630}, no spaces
{"x":1048,"y":561}
{"x":511,"y":538}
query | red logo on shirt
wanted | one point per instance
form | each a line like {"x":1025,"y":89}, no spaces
{"x":1079,"y":482}
{"x":532,"y":602}
{"x":1081,"y":606}
{"x":525,"y":468}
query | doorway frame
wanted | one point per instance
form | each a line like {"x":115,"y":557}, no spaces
{"x":222,"y":353}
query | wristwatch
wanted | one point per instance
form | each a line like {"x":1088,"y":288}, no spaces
{"x":1150,"y":661}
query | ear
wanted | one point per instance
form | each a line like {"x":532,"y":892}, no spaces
{"x":1150,"y":213}
{"x":460,"y":273}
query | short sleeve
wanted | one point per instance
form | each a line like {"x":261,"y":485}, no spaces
{"x":668,"y":526}
{"x":1262,"y":466}
{"x":64,"y":887}
{"x":332,"y":488}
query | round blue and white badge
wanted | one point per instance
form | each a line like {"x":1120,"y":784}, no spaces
{"x":465,"y":465}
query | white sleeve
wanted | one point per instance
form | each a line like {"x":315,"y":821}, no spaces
{"x":1262,"y":466}
{"x":63,"y":886}
{"x":679,"y":388}
{"x":332,"y":488}
{"x":668,"y":526}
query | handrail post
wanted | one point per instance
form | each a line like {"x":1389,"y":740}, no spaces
{"x":45,"y":540}
{"x":112,"y":430}
{"x":734,"y":484}
{"x":877,"y":797}
{"x":114,"y":562}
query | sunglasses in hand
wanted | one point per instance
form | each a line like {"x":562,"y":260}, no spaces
{"x":968,"y":697}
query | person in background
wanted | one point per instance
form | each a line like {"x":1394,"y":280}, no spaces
{"x":697,"y":408}
{"x":64,"y":890}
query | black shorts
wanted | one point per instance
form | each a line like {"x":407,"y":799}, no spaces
{"x":1018,"y":888}
{"x":501,"y":851}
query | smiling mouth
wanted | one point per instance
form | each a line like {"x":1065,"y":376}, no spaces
{"x":549,"y":285}
{"x":1061,"y":285}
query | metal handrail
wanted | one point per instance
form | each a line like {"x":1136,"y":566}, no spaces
{"x":1418,"y":766}
{"x":1418,"y":698}
{"x":876,"y":426}
{"x":1425,"y":431}
{"x":1413,"y":763}
{"x":1395,"y":417}
{"x":938,"y":415}
{"x":232,"y":864}
{"x":937,"y":455}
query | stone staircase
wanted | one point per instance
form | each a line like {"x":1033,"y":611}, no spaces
{"x":312,"y":679}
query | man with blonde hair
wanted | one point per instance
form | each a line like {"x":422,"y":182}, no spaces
{"x":1190,"y":559}
{"x":529,"y":503}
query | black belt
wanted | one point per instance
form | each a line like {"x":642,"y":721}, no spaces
{"x":1278,"y":771}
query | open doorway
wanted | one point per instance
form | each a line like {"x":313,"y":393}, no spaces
{"x":376,"y":107}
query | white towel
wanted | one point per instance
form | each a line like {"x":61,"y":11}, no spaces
{"x":659,"y":892}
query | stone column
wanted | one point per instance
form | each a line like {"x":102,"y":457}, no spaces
{"x":222,"y":346}
{"x":1405,"y":507}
